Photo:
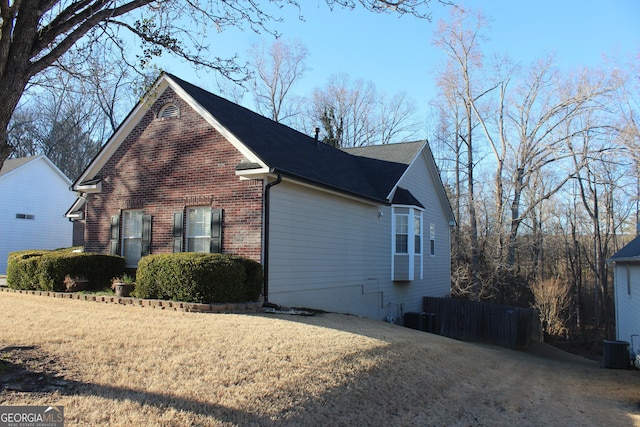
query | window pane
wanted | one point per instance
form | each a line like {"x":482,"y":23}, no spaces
{"x":432,"y":236}
{"x":199,"y":229}
{"x":416,"y":234}
{"x":402,"y":243}
{"x":199,"y":222}
{"x":402,"y":234}
{"x":198,"y":244}
{"x":132,"y":237}
{"x":132,"y":251}
{"x":132,"y":224}
{"x":402,"y":224}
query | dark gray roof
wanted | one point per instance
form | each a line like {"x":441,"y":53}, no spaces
{"x":300,"y":156}
{"x":399,"y":153}
{"x":403,"y":196}
{"x":630,"y":252}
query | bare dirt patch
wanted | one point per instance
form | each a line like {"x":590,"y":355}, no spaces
{"x":123,"y":365}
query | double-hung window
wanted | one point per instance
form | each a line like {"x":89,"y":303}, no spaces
{"x":407,"y":243}
{"x":402,"y":233}
{"x":432,"y":239}
{"x":202,"y":231}
{"x":133,"y":240}
{"x":199,"y":229}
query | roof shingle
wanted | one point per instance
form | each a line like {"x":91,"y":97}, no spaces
{"x":370,"y":174}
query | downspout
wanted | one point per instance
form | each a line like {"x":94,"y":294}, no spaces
{"x":267,"y":198}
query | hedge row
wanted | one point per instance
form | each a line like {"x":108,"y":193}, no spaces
{"x":198,"y":277}
{"x":45,"y":270}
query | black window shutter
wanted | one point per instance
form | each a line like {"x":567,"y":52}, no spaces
{"x":115,"y":235}
{"x":177,"y":232}
{"x":216,"y":231}
{"x":146,"y":235}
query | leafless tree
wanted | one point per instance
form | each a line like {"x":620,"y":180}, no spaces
{"x":35,"y":34}
{"x":277,"y":68}
{"x":460,"y":40}
{"x":552,"y":300}
{"x":64,"y":124}
{"x":73,"y":110}
{"x":352,"y":113}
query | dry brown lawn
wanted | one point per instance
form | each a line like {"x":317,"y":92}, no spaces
{"x":130,"y":366}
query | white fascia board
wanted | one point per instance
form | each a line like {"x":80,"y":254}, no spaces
{"x":418,"y":208}
{"x":138,"y":113}
{"x":258,"y":173}
{"x":33,"y":162}
{"x":76,"y":210}
{"x":330,"y":191}
{"x":426,"y":154}
{"x":395,"y":186}
{"x":90,"y":188}
{"x":55,"y":168}
{"x":246,"y":152}
{"x":121,"y":133}
{"x":437,"y":181}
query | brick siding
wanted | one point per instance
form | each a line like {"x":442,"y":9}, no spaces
{"x":165,"y":165}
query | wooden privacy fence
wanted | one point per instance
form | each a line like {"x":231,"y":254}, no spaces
{"x":506,"y":326}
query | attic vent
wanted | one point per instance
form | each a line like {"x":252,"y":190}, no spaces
{"x":169,"y":110}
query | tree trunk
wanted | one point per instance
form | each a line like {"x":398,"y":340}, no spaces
{"x":11,"y":89}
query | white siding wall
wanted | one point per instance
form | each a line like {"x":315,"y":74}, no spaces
{"x":437,"y":269}
{"x":35,"y":189}
{"x":327,"y":252}
{"x":332,"y":253}
{"x":628,"y":304}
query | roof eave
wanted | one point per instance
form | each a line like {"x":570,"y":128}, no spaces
{"x":625,"y":260}
{"x":330,"y":188}
{"x":76,"y":211}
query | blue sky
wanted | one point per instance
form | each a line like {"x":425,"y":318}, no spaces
{"x":397,"y":54}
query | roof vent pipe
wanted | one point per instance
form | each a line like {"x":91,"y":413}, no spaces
{"x":317,"y":140}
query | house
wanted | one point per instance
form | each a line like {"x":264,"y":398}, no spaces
{"x":35,"y":196}
{"x":626,"y":290}
{"x":362,"y":231}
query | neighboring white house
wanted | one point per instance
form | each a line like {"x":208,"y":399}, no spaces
{"x":626,"y":279}
{"x":34,"y":196}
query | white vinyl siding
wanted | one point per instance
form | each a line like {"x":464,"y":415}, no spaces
{"x":345,"y":269}
{"x":436,"y":279}
{"x":348,"y":267}
{"x":627,"y":302}
{"x":40,"y":192}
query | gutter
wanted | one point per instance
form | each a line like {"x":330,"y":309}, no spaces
{"x":267,"y":203}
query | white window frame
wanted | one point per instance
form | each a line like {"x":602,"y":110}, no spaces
{"x":129,"y":235}
{"x":432,"y":239}
{"x":412,"y":213}
{"x":190,"y":237}
{"x":404,"y":231}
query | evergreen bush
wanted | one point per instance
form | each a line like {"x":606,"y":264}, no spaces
{"x":198,"y":277}
{"x":46,"y":270}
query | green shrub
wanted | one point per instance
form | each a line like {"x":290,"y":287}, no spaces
{"x":149,"y":268}
{"x":46,"y":270}
{"x":22,"y":269}
{"x":198,"y":277}
{"x":253,"y":284}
